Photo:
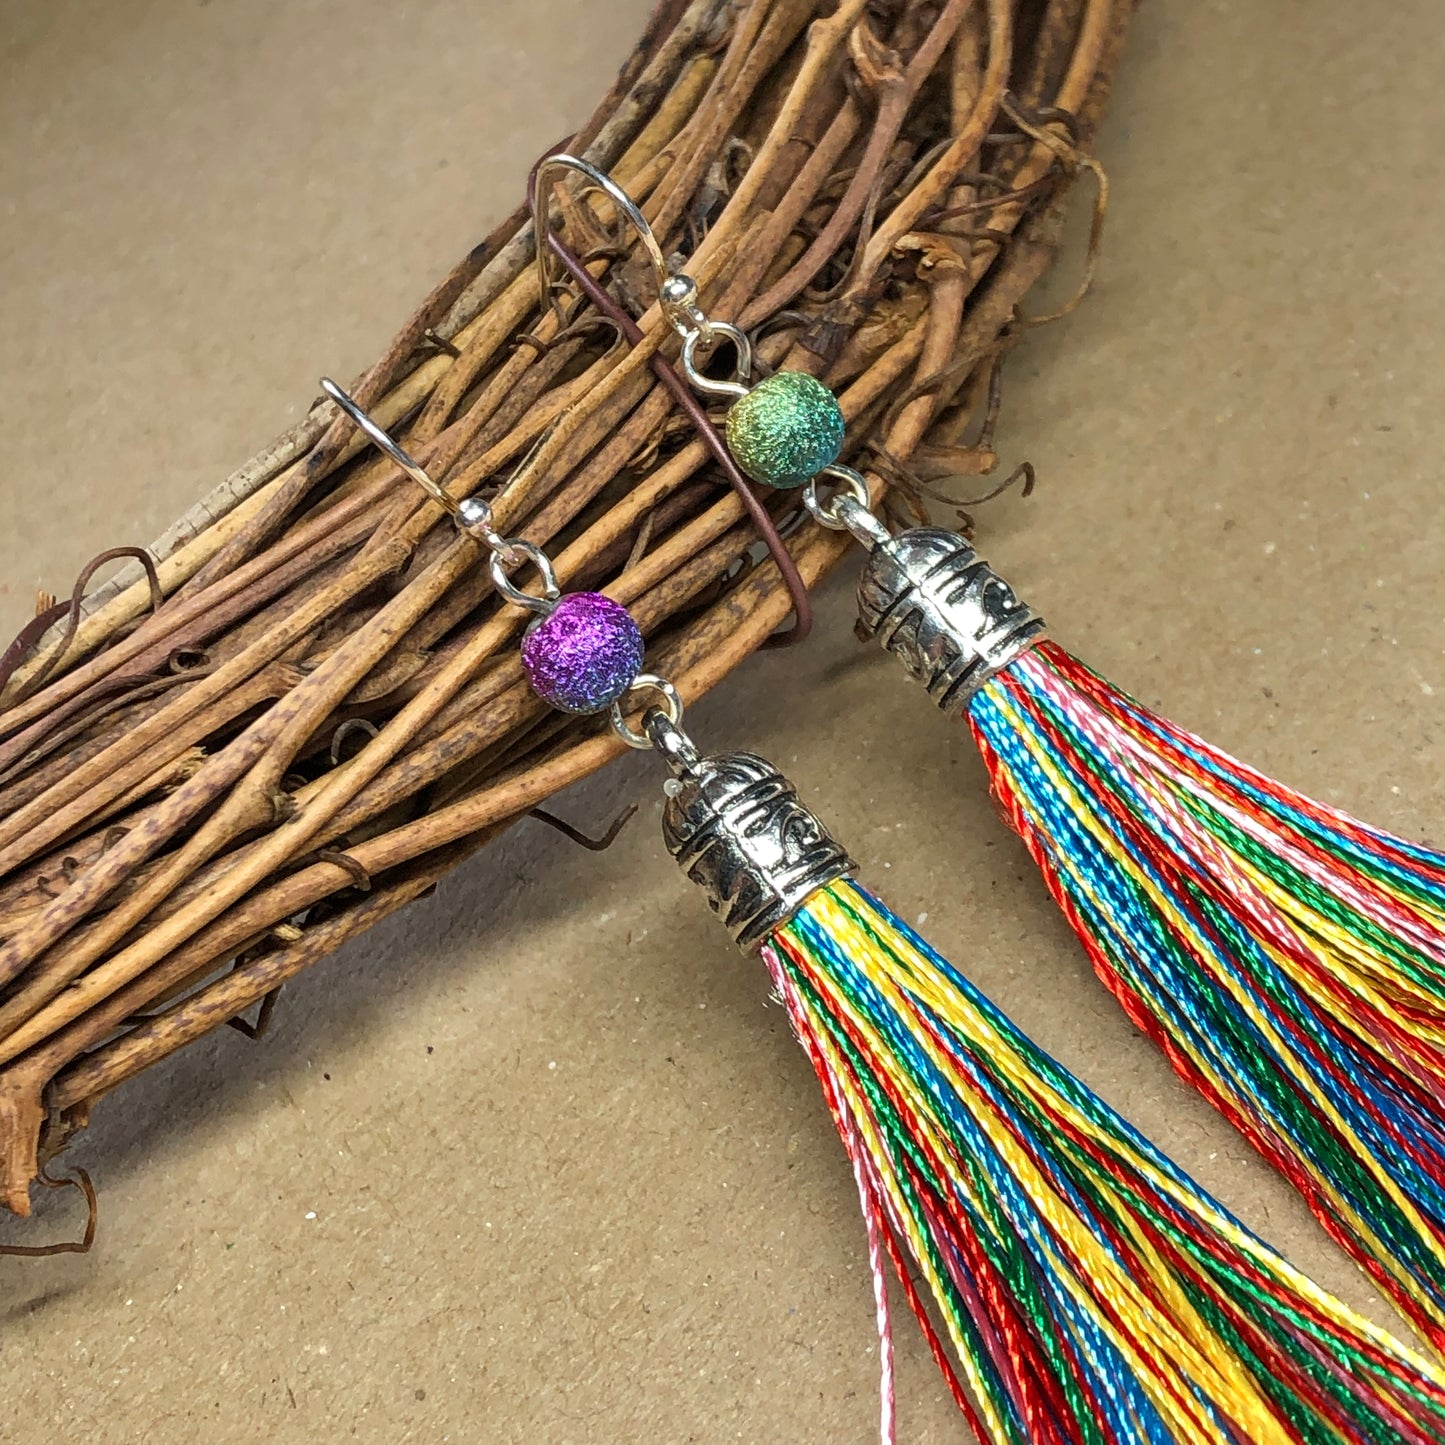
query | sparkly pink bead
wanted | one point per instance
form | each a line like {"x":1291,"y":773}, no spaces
{"x":584,"y":654}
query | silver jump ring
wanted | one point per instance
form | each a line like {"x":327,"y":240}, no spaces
{"x":671,"y":708}
{"x":513,"y":549}
{"x":846,"y":509}
{"x":741,"y":372}
{"x":851,"y":485}
{"x":384,"y":442}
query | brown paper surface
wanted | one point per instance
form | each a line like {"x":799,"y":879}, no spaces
{"x":538,"y":1160}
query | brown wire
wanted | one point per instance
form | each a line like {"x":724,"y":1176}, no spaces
{"x":585,"y":840}
{"x":34,"y":630}
{"x":79,"y":1180}
{"x":683,"y":395}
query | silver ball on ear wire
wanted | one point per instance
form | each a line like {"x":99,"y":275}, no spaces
{"x":678,"y":291}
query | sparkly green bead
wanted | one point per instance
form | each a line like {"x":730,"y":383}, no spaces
{"x":786,"y":429}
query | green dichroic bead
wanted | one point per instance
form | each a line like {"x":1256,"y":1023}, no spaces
{"x":786,"y":429}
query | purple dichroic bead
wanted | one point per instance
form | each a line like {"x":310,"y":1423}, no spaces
{"x":584,"y":654}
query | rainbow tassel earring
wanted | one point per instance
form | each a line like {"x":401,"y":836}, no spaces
{"x":1289,"y":960}
{"x":1087,"y":1290}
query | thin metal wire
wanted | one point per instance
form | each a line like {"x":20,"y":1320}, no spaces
{"x":527,"y":552}
{"x":472,"y":515}
{"x":693,"y":409}
{"x":384,"y":442}
{"x":699,"y":379}
{"x":602,"y":182}
{"x":671,"y":709}
{"x":847,"y":509}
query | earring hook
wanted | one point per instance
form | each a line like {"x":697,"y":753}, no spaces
{"x":472,"y":516}
{"x":676,"y":291}
{"x":598,"y":180}
{"x":385,"y":442}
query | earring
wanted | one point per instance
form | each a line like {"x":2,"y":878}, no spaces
{"x":1086,"y":1289}
{"x":1289,"y":960}
{"x":783,"y":431}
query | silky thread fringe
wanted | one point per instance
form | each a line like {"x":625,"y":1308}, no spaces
{"x":1289,"y":960}
{"x":1088,"y":1290}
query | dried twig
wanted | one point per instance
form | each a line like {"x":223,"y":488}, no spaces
{"x":306,"y":706}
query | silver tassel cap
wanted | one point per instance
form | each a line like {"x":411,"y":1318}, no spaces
{"x":943,"y":612}
{"x":737,"y":828}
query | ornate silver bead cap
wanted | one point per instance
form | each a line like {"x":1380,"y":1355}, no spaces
{"x":943,"y":612}
{"x":738,"y":830}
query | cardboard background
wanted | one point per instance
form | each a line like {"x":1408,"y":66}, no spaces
{"x":536,"y":1161}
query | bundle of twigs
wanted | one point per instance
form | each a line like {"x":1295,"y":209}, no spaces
{"x":303,"y":705}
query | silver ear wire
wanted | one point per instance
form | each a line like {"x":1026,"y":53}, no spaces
{"x":386,"y":443}
{"x":624,"y":203}
{"x":472,"y":516}
{"x":676,"y":291}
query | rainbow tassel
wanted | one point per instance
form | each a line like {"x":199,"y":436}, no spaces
{"x":1090,"y":1292}
{"x":1288,"y":959}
